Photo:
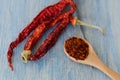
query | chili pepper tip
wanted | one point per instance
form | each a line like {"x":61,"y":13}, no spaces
{"x":11,"y":67}
{"x":25,"y":56}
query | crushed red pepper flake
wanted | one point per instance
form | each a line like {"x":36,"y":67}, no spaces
{"x":77,"y":48}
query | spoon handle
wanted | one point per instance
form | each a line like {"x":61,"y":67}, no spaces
{"x":96,"y":62}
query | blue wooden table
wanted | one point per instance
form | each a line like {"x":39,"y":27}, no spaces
{"x":16,"y":14}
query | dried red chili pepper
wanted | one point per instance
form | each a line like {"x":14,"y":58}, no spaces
{"x":45,"y":14}
{"x":32,"y":41}
{"x":51,"y":40}
{"x":37,"y":34}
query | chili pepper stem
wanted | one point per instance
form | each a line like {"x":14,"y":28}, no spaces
{"x":77,"y":21}
{"x":25,"y":55}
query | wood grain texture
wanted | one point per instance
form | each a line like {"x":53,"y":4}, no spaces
{"x":16,"y":14}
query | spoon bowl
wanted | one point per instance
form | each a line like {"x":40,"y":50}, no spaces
{"x":93,"y":60}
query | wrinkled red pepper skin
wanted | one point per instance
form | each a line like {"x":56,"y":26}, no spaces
{"x":54,"y":35}
{"x":50,"y":40}
{"x":44,"y":15}
{"x":32,"y":41}
{"x":47,"y":42}
{"x":35,"y":36}
{"x":39,"y":31}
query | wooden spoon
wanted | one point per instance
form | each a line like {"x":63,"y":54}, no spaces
{"x":93,"y":60}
